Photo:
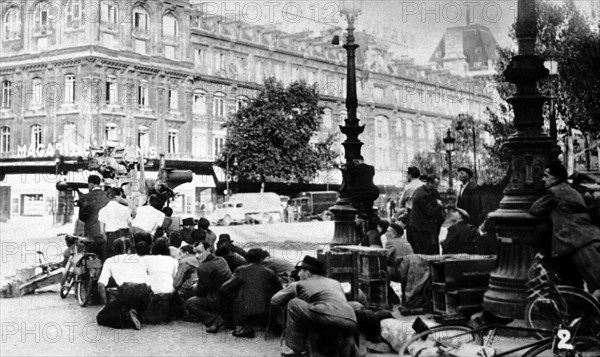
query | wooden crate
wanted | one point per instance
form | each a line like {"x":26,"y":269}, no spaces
{"x":376,"y":292}
{"x":339,"y":265}
{"x":464,"y":271}
{"x":371,"y":263}
{"x":458,"y":304}
{"x":371,"y":273}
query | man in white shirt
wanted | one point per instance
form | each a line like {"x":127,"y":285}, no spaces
{"x":128,"y":272}
{"x":115,"y":219}
{"x":149,"y":217}
{"x":406,"y":201}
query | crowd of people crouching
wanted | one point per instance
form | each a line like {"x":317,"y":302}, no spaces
{"x":221,"y":285}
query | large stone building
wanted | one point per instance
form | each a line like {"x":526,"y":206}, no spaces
{"x":163,"y":76}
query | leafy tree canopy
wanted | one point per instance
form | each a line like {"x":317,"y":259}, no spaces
{"x":269,"y":139}
{"x":564,"y":31}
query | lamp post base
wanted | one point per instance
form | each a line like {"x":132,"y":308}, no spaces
{"x":345,"y":227}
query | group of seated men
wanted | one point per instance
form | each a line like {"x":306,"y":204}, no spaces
{"x":230,"y":288}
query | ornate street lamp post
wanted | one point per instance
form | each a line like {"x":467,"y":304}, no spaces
{"x":449,"y":144}
{"x":530,"y":149}
{"x":344,"y":212}
{"x":551,"y":65}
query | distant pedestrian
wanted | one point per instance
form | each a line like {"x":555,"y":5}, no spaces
{"x":405,"y":204}
{"x":426,"y":217}
{"x":90,"y":205}
{"x":467,"y":197}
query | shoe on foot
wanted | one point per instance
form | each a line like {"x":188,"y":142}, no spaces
{"x":135,"y":322}
{"x":214,"y":328}
{"x":244,"y":331}
{"x":292,"y":353}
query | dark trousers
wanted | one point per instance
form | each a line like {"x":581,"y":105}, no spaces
{"x":426,"y":243}
{"x":99,"y":248}
{"x":129,"y":297}
{"x":206,"y":309}
{"x":587,"y":261}
{"x":302,"y":322}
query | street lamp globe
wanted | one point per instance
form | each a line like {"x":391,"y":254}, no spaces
{"x":551,"y":65}
{"x":449,"y":141}
{"x":351,"y":8}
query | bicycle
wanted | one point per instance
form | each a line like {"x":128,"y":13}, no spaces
{"x":550,"y":303}
{"x":564,"y":320}
{"x":455,"y":340}
{"x":81,"y":270}
{"x":44,"y":273}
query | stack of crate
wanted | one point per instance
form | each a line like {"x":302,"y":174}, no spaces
{"x":340,"y":265}
{"x":458,"y":285}
{"x":371,"y":274}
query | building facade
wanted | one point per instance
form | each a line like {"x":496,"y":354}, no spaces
{"x":163,"y":76}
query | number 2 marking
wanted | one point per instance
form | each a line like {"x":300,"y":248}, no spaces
{"x":564,"y":336}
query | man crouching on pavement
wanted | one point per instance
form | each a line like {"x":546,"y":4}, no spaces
{"x":317,"y":304}
{"x":126,"y":272}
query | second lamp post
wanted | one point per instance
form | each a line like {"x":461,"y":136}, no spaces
{"x":449,"y":144}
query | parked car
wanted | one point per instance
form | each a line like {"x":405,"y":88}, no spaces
{"x":313,"y":205}
{"x":248,"y":208}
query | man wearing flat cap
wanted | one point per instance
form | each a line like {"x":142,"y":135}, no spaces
{"x":467,"y":197}
{"x":315,"y":303}
{"x":188,"y":227}
{"x":461,"y":237}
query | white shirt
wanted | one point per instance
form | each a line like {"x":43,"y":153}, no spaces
{"x":124,"y":268}
{"x":115,"y":216}
{"x":161,"y":271}
{"x":148,"y":219}
{"x":409,"y":191}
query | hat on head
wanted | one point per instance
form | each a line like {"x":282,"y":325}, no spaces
{"x":311,"y":264}
{"x":467,"y":170}
{"x":399,"y":230}
{"x":203,"y":223}
{"x":188,"y":222}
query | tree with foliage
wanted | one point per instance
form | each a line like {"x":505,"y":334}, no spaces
{"x":492,"y":160}
{"x":564,"y":30}
{"x":269,"y":139}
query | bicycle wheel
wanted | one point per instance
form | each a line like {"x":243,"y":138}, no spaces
{"x":84,"y":289}
{"x":582,"y":347}
{"x":66,"y":283}
{"x":541,"y":311}
{"x":451,"y":335}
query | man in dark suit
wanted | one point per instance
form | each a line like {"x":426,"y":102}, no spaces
{"x":316,"y":304}
{"x":461,"y":237}
{"x":90,"y":204}
{"x":358,"y":184}
{"x":252,"y":286}
{"x":467,"y":197}
{"x":207,"y":305}
{"x":426,"y":217}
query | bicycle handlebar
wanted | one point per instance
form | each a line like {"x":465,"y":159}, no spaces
{"x":76,"y":239}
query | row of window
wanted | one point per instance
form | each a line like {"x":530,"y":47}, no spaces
{"x":138,"y":93}
{"x":71,"y":137}
{"x":47,"y":14}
